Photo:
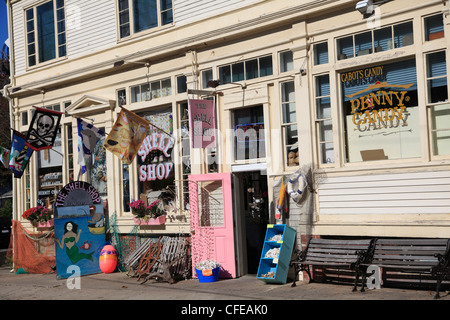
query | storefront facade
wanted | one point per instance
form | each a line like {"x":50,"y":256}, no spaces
{"x":358,"y":105}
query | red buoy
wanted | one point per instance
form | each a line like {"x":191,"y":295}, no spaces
{"x":108,"y":259}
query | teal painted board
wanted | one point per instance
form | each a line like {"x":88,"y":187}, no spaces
{"x":276,"y":253}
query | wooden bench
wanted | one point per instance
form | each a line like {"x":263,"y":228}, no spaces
{"x":332,"y":253}
{"x":411,"y":256}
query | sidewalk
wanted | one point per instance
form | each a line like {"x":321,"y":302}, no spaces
{"x":118,"y":286}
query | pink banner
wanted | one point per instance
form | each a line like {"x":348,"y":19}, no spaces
{"x":202,"y":123}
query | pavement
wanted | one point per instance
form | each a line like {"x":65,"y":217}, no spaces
{"x":229,"y":297}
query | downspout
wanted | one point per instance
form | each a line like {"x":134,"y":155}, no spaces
{"x":8,"y":86}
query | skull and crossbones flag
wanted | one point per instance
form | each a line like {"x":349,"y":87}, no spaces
{"x":43,"y":129}
{"x":20,"y":155}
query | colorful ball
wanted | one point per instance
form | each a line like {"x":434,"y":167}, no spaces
{"x":108,"y":259}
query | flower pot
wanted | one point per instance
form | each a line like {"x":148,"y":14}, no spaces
{"x":152,"y":221}
{"x":208,"y":275}
{"x":46,"y":224}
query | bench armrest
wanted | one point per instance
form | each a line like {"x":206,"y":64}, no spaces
{"x":363,"y":257}
{"x":299,"y":256}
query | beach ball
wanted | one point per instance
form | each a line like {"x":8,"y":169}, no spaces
{"x":108,"y":259}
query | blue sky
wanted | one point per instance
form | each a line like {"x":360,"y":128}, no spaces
{"x":3,"y":23}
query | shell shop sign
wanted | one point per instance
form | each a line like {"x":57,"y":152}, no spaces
{"x":155,"y":171}
{"x":380,"y":105}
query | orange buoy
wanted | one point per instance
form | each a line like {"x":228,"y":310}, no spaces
{"x":108,"y":259}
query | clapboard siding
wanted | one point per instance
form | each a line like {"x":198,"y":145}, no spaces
{"x":414,"y":193}
{"x":91,"y":26}
{"x":97,"y":28}
{"x":186,"y":11}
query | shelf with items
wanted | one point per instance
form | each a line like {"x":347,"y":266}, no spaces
{"x":276,"y":253}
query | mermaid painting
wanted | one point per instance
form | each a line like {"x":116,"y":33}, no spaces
{"x":70,"y":238}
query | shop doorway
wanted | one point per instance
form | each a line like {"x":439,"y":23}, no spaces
{"x":251,"y":211}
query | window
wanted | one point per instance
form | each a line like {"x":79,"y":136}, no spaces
{"x":149,"y":91}
{"x":434,"y":27}
{"x":381,"y":114}
{"x":154,"y":160}
{"x":437,"y":90}
{"x":24,"y":118}
{"x":246,"y":70}
{"x":286,"y":61}
{"x":50,"y":181}
{"x":207,"y":75}
{"x":320,"y":53}
{"x":139,"y":15}
{"x":249,"y":133}
{"x":45,"y":32}
{"x":377,"y":40}
{"x":324,"y":125}
{"x":185,"y":152}
{"x":121,"y":97}
{"x":69,"y":152}
{"x":289,"y":124}
{"x":181,"y":84}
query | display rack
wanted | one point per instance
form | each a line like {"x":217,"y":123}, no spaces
{"x":276,"y":253}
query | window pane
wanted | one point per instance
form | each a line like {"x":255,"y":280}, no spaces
{"x":286,"y":61}
{"x":321,"y":53}
{"x":156,"y":89}
{"x":46,"y":32}
{"x":322,"y":86}
{"x":249,"y":133}
{"x":238,"y":72}
{"x":135,"y":94}
{"x":123,"y":4}
{"x":145,"y":14}
{"x":363,"y":43}
{"x":403,"y":34}
{"x":381,"y":122}
{"x":382,"y":39}
{"x":323,"y":108}
{"x":288,"y":100}
{"x":181,"y":84}
{"x":265,"y":66}
{"x":434,"y":27}
{"x":291,"y":140}
{"x":440,"y":125}
{"x":327,"y":153}
{"x":345,"y":48}
{"x":225,"y":73}
{"x":166,"y":88}
{"x":206,"y":76}
{"x":437,"y":69}
{"x":251,"y":69}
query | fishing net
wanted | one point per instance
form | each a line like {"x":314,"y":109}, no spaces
{"x":32,"y":251}
{"x":124,"y":243}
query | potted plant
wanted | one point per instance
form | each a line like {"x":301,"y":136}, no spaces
{"x":147,"y":215}
{"x":39,"y":216}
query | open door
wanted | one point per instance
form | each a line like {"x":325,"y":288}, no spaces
{"x":210,"y":203}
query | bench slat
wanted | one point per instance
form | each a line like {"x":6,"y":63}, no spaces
{"x":419,"y":242}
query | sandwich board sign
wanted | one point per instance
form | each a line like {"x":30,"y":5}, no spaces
{"x":79,"y":229}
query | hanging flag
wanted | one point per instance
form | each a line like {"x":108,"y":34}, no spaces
{"x":202,"y":123}
{"x":126,"y":135}
{"x":43,"y":129}
{"x":88,"y":136}
{"x":20,"y":155}
{"x":4,"y":156}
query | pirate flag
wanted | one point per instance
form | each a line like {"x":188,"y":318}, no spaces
{"x":43,"y":129}
{"x":126,"y":136}
{"x":20,"y":155}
